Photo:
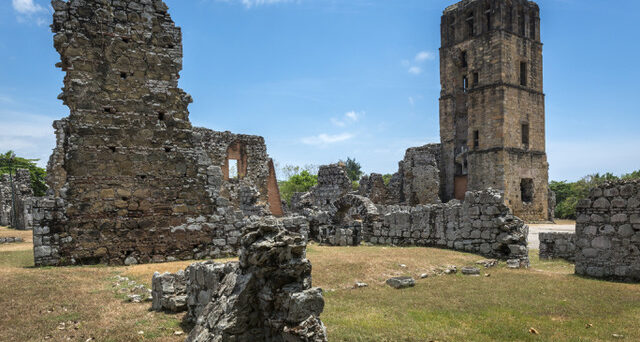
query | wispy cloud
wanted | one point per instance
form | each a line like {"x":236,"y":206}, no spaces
{"x":415,"y":66}
{"x":29,"y":135}
{"x":424,"y":55}
{"x":256,"y":3}
{"x":326,"y":139}
{"x":348,"y":118}
{"x":28,"y":11}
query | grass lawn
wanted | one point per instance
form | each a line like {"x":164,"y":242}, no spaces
{"x":501,"y":307}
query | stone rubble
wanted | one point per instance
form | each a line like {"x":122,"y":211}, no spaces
{"x":266,"y":296}
{"x":401,"y":282}
{"x":4,"y":240}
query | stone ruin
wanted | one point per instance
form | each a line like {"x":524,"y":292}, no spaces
{"x":416,"y":182}
{"x":481,"y":224}
{"x":265,"y":296}
{"x":21,"y":195}
{"x":131,"y":181}
{"x":607,"y":239}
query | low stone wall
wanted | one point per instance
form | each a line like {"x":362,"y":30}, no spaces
{"x":482,"y":224}
{"x":558,"y":246}
{"x":4,"y":240}
{"x":608,"y":232}
{"x":266,"y":296}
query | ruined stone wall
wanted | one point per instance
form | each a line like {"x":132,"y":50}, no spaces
{"x":492,"y":119}
{"x":22,"y":194}
{"x":266,"y":296}
{"x":608,"y":232}
{"x":482,"y":224}
{"x":558,"y":246}
{"x":131,"y":180}
{"x":416,"y":182}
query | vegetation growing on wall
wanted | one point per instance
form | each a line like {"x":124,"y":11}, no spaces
{"x":569,"y":193}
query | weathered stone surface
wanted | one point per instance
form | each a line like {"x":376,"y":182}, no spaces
{"x":269,"y":297}
{"x":4,"y":240}
{"x":416,"y":182}
{"x":401,"y":282}
{"x":130,"y":178}
{"x":607,"y":238}
{"x":169,"y":292}
{"x":470,"y":270}
{"x":492,"y":117}
{"x":15,"y":200}
{"x":558,"y":246}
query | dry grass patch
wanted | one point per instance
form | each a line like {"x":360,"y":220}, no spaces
{"x":502,"y":307}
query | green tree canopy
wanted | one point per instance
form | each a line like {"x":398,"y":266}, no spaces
{"x":299,"y":182}
{"x":354,"y":170}
{"x":9,"y":162}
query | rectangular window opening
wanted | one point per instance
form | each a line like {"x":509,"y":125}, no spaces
{"x":463,"y":58}
{"x":532,"y":26}
{"x":470,"y":25}
{"x":476,"y":139}
{"x":526,"y":190}
{"x":476,"y":79}
{"x":488,"y":16}
{"x":523,"y":74}
{"x":233,"y":169}
{"x":525,"y":135}
{"x":465,"y":84}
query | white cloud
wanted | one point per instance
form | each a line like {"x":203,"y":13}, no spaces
{"x":255,"y":3}
{"x":412,"y":101}
{"x":424,"y":55}
{"x":27,"y":11}
{"x":348,"y":118}
{"x":415,"y":67}
{"x":29,"y":135}
{"x":326,"y":139}
{"x":415,"y":70}
{"x":27,"y":7}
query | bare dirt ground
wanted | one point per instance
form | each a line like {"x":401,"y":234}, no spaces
{"x":562,"y":226}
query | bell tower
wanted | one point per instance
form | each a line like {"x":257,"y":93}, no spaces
{"x":492,"y":117}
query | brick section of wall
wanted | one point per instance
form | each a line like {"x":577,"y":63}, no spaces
{"x":558,"y":246}
{"x":608,"y":232}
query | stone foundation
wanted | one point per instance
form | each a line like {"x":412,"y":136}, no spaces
{"x":558,"y":246}
{"x":608,"y":232}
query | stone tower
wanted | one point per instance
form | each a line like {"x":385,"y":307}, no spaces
{"x":492,"y":122}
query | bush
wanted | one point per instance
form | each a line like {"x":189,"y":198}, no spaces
{"x":568,"y":194}
{"x":300,"y":182}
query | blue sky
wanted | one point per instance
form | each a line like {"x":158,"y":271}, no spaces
{"x":325,"y":79}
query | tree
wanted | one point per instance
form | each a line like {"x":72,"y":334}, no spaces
{"x":353,"y":169}
{"x":301,"y":182}
{"x":9,"y":162}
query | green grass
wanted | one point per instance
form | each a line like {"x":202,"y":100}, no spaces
{"x":501,"y":307}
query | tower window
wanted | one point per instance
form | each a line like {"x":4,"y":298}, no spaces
{"x":526,"y":190}
{"x":233,"y":168}
{"x":470,"y":25}
{"x":476,"y":139}
{"x":487,"y":14}
{"x":532,"y":27}
{"x":463,"y":58}
{"x":523,"y":74}
{"x":525,"y":135}
{"x":465,"y":83}
{"x":521,"y":22}
{"x":476,"y":79}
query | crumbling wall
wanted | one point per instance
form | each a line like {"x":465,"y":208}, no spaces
{"x":131,"y":180}
{"x":266,"y":296}
{"x":19,"y":197}
{"x":482,"y":224}
{"x":608,"y":232}
{"x":416,"y":182}
{"x":558,"y":246}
